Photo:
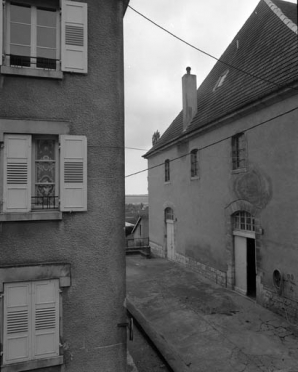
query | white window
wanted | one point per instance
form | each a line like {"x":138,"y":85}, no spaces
{"x":167,"y":171}
{"x":238,"y":151}
{"x":36,"y":36}
{"x":243,"y":221}
{"x":31,"y":322}
{"x":44,"y":173}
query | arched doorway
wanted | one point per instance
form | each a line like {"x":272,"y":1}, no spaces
{"x":170,"y":242}
{"x":244,"y":253}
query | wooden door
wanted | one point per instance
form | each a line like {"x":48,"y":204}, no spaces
{"x":170,"y":240}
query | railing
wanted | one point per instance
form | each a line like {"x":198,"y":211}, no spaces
{"x":138,"y":245}
{"x":37,"y":62}
{"x":45,"y":202}
{"x":137,"y":242}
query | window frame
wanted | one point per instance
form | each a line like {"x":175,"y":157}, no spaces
{"x":38,"y":128}
{"x":33,"y":38}
{"x":167,"y":171}
{"x":29,"y":273}
{"x":71,"y":41}
{"x":243,"y":219}
{"x":35,"y":138}
{"x":194,"y":164}
{"x":239,"y":152}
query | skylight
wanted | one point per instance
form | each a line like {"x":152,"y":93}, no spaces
{"x":221,"y":80}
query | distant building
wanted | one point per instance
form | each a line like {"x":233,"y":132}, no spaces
{"x":62,"y":262}
{"x":225,"y":202}
{"x":137,"y":199}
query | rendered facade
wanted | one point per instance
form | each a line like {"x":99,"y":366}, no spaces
{"x":225,"y":201}
{"x":62,"y":262}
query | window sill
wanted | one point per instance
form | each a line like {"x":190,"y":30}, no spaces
{"x":23,"y":71}
{"x":194,"y":178}
{"x":31,"y":216}
{"x":32,"y":364}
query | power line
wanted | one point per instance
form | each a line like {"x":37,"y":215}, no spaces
{"x":207,"y":54}
{"x":216,"y":142}
{"x":118,"y":147}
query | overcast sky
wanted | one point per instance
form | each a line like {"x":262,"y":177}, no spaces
{"x":155,"y":62}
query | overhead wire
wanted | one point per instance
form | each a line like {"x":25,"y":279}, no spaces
{"x":206,"y":53}
{"x":216,"y":142}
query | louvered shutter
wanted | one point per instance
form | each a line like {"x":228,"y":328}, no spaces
{"x":17,"y":323}
{"x":17,"y":173}
{"x":1,"y":32}
{"x":74,"y":52}
{"x":45,"y":314}
{"x":73,"y":173}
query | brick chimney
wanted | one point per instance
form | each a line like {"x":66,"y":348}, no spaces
{"x":189,"y":97}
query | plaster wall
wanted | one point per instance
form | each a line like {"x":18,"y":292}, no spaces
{"x":269,"y":184}
{"x":91,"y":242}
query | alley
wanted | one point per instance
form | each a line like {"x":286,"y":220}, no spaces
{"x":199,"y":326}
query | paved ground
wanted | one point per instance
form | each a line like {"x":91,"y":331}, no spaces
{"x":199,"y":326}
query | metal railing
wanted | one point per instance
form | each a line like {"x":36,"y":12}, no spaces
{"x":37,"y":62}
{"x":136,"y":242}
{"x":44,"y":202}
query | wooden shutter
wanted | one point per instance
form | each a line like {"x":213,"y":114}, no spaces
{"x":73,"y":173}
{"x":45,"y":314}
{"x":1,"y":32}
{"x":74,"y":52}
{"x":17,"y":323}
{"x":17,"y":173}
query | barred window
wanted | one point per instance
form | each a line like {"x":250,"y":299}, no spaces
{"x":167,"y":170}
{"x":238,"y":151}
{"x":194,"y":170}
{"x":243,"y":221}
{"x":169,"y":214}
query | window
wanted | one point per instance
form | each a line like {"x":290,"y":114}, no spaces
{"x":32,"y":34}
{"x":169,"y":214}
{"x":39,"y":178}
{"x":243,"y":221}
{"x":238,"y":151}
{"x":221,"y":80}
{"x":167,"y":170}
{"x":194,"y":170}
{"x":31,"y":323}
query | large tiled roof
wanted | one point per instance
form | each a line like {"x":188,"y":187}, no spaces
{"x":267,"y":48}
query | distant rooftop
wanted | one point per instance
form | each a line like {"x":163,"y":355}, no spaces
{"x":136,"y":199}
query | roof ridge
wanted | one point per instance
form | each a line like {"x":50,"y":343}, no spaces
{"x":291,"y":25}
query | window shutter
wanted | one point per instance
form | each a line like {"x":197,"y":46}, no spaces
{"x":1,"y":32}
{"x":17,"y":323}
{"x":17,"y":173}
{"x":74,"y":52}
{"x":45,"y":314}
{"x":73,"y":173}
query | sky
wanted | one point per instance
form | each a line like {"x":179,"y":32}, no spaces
{"x":154,"y":63}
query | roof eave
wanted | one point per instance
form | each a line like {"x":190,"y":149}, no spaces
{"x":240,"y":113}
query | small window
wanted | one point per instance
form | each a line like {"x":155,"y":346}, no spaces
{"x":194,"y":170}
{"x":238,"y":151}
{"x":167,"y":170}
{"x":221,"y":80}
{"x":169,"y":214}
{"x":243,"y":221}
{"x":31,"y":322}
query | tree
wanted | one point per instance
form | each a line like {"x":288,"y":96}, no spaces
{"x":155,"y":137}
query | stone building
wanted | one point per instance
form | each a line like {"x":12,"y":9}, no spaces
{"x":62,"y":262}
{"x":225,"y":201}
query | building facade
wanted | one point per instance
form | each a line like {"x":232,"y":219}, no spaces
{"x":62,"y":263}
{"x":224,"y":202}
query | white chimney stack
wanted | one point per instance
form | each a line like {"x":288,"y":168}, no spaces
{"x":189,"y":96}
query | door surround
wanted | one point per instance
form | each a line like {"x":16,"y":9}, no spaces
{"x":230,"y":210}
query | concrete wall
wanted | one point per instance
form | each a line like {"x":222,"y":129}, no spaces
{"x":92,"y":242}
{"x":268,"y":186}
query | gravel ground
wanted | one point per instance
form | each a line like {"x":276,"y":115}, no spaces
{"x":145,"y":356}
